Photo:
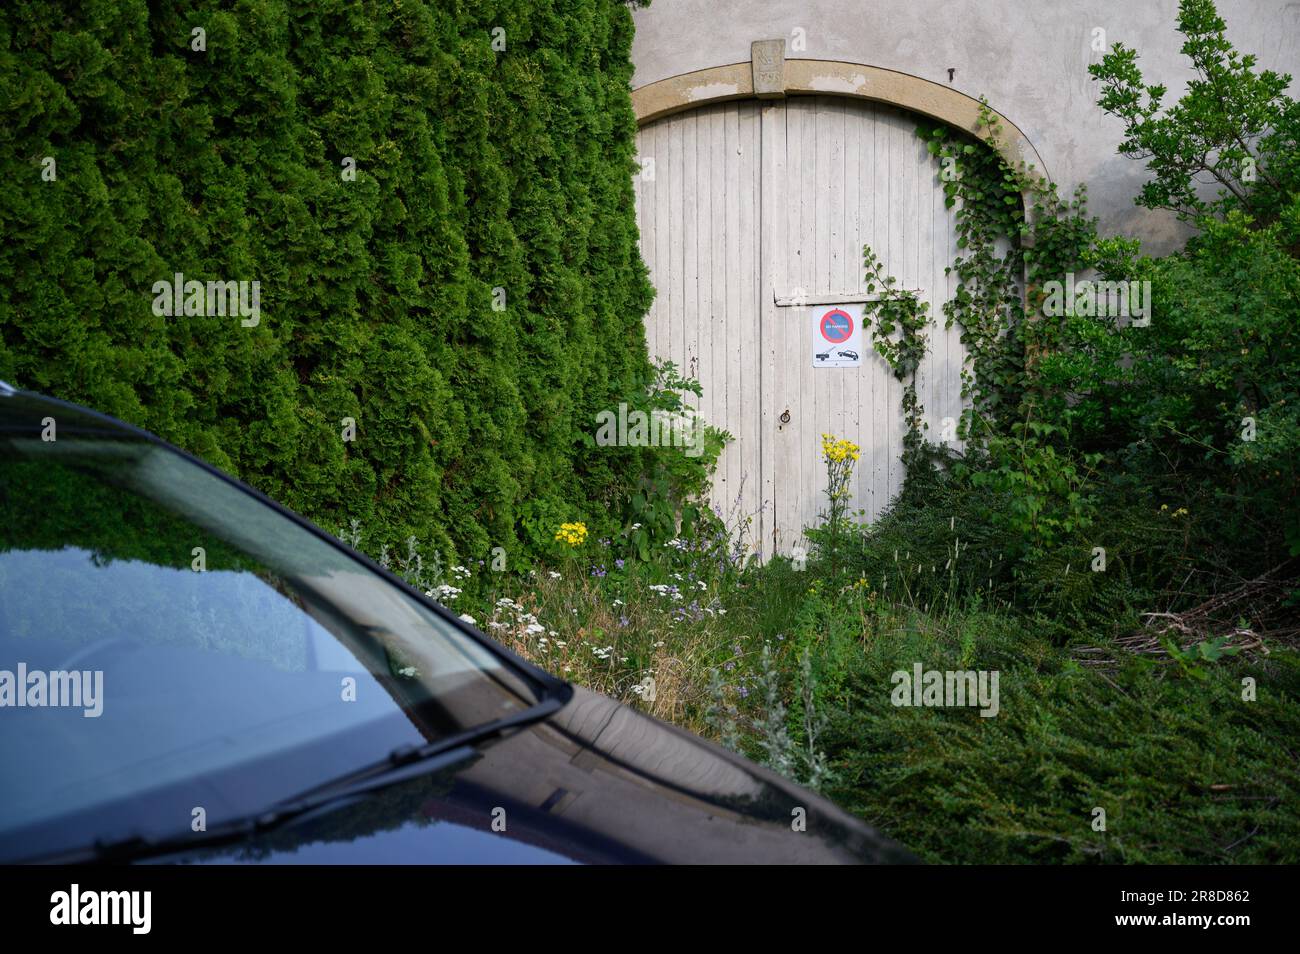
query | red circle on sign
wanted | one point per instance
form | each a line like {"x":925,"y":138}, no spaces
{"x":837,"y":326}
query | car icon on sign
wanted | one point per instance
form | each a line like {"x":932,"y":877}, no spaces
{"x":850,"y":355}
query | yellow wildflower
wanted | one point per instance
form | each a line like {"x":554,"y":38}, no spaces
{"x":838,"y":451}
{"x":574,"y":534}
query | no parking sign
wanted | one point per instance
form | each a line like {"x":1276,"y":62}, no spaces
{"x":837,"y":336}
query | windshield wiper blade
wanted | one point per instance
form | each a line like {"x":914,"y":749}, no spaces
{"x":136,"y":847}
{"x":402,"y":764}
{"x":360,"y":780}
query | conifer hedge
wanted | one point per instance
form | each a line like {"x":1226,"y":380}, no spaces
{"x":476,"y":169}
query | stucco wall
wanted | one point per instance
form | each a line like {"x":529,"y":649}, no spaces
{"x":1028,"y":57}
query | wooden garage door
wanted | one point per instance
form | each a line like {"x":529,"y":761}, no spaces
{"x":749,"y":205}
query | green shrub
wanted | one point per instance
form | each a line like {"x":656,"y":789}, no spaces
{"x":1185,"y":769}
{"x":476,"y":169}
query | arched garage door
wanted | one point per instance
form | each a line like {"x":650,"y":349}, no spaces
{"x":748,"y":205}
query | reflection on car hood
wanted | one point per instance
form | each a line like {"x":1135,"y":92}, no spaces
{"x":598,"y":782}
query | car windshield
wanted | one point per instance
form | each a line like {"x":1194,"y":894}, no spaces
{"x":173,"y":649}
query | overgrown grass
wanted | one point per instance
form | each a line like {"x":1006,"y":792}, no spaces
{"x":1186,"y":768}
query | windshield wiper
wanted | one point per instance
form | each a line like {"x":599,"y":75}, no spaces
{"x":402,"y":764}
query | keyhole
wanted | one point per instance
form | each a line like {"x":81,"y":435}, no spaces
{"x":785,"y":416}
{"x":951,"y":71}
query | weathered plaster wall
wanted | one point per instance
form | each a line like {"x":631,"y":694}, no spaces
{"x":1029,"y":57}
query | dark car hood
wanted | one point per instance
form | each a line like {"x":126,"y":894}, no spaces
{"x":597,"y":782}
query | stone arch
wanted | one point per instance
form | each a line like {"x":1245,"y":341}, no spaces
{"x":770,"y":76}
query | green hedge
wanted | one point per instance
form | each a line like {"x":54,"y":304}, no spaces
{"x":476,"y":168}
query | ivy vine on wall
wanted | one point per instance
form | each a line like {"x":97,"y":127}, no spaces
{"x":1001,"y":252}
